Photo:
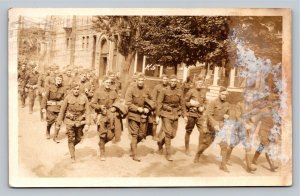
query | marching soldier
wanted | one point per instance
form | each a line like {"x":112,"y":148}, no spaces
{"x":195,"y":102}
{"x":76,"y":110}
{"x":22,"y":83}
{"x":155,"y":93}
{"x":267,"y":138}
{"x":138,"y":111}
{"x":31,"y":85}
{"x":51,"y":105}
{"x":170,"y":106}
{"x":85,"y":86}
{"x":102,"y":102}
{"x":240,"y":132}
{"x":67,"y":78}
{"x":217,"y":112}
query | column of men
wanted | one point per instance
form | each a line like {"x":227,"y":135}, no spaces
{"x":74,"y":99}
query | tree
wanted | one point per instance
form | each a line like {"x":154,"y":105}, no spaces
{"x":169,"y":40}
{"x":29,"y":43}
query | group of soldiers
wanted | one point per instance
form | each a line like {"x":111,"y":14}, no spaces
{"x":78,"y":100}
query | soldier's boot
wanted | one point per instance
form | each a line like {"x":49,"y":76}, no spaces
{"x":168,"y":149}
{"x":271,"y":163}
{"x":154,"y":135}
{"x":41,"y":115}
{"x":197,"y":156}
{"x":224,"y":159}
{"x":187,"y":144}
{"x":160,"y":146}
{"x":255,"y":157}
{"x":248,"y":163}
{"x":102,"y":149}
{"x":134,"y":149}
{"x":72,"y":151}
{"x":55,"y":138}
{"x":48,"y":131}
{"x":229,"y":151}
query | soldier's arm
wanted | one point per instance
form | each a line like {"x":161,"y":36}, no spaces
{"x":87,"y":112}
{"x":128,"y":98}
{"x":187,"y":98}
{"x":210,"y":114}
{"x":45,"y":99}
{"x":160,"y":100}
{"x":183,"y":104}
{"x":62,"y":111}
{"x":154,"y":93}
{"x":94,"y":101}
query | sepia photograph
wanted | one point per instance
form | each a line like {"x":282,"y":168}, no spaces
{"x":149,"y":97}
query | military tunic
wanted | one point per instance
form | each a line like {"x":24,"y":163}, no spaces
{"x":77,"y":114}
{"x":102,"y":102}
{"x":136,"y":97}
{"x":170,"y":106}
{"x":52,"y":102}
{"x":31,"y":84}
{"x":194,"y":114}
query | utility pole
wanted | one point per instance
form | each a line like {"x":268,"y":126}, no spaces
{"x":73,"y":42}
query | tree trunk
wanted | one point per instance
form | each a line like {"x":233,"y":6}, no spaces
{"x":125,"y":79}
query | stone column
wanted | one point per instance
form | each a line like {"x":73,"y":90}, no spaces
{"x":135,"y":63}
{"x":216,"y":76}
{"x":232,"y":78}
{"x":144,"y":64}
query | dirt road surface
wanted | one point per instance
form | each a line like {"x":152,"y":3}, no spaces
{"x":39,"y":157}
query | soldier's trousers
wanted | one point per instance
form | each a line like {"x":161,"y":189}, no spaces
{"x":74,"y":137}
{"x":51,"y":117}
{"x":32,"y":96}
{"x":138,"y":132}
{"x":23,"y":95}
{"x":205,"y":140}
{"x":198,"y":121}
{"x":169,"y":127}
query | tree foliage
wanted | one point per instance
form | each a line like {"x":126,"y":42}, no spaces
{"x":262,"y":34}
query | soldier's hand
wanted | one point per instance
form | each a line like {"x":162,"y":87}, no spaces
{"x":86,"y":128}
{"x":185,"y":119}
{"x":140,"y":109}
{"x":157,"y":119}
{"x":146,"y":110}
{"x":217,"y":128}
{"x":201,"y":109}
{"x":44,"y":110}
{"x":112,"y":109}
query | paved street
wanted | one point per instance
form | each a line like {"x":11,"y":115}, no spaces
{"x":44,"y":158}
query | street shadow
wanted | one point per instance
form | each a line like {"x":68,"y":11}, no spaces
{"x":143,"y":150}
{"x":114,"y":151}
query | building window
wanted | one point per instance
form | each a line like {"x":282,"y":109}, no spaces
{"x":83,"y":42}
{"x":87,"y":42}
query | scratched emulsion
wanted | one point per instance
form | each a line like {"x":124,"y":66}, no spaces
{"x":262,"y":110}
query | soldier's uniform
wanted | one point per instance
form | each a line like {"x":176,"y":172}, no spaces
{"x":154,"y":95}
{"x":67,"y":79}
{"x":85,"y":88}
{"x":170,"y":106}
{"x":22,"y":83}
{"x":77,"y":114}
{"x":31,"y":85}
{"x":52,"y":101}
{"x":136,"y":97}
{"x":215,"y":113}
{"x":239,"y":133}
{"x":102,"y":103}
{"x":196,"y":114}
{"x":41,"y":91}
{"x":266,"y":138}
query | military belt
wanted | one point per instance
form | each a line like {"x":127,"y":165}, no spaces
{"x":54,"y":102}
